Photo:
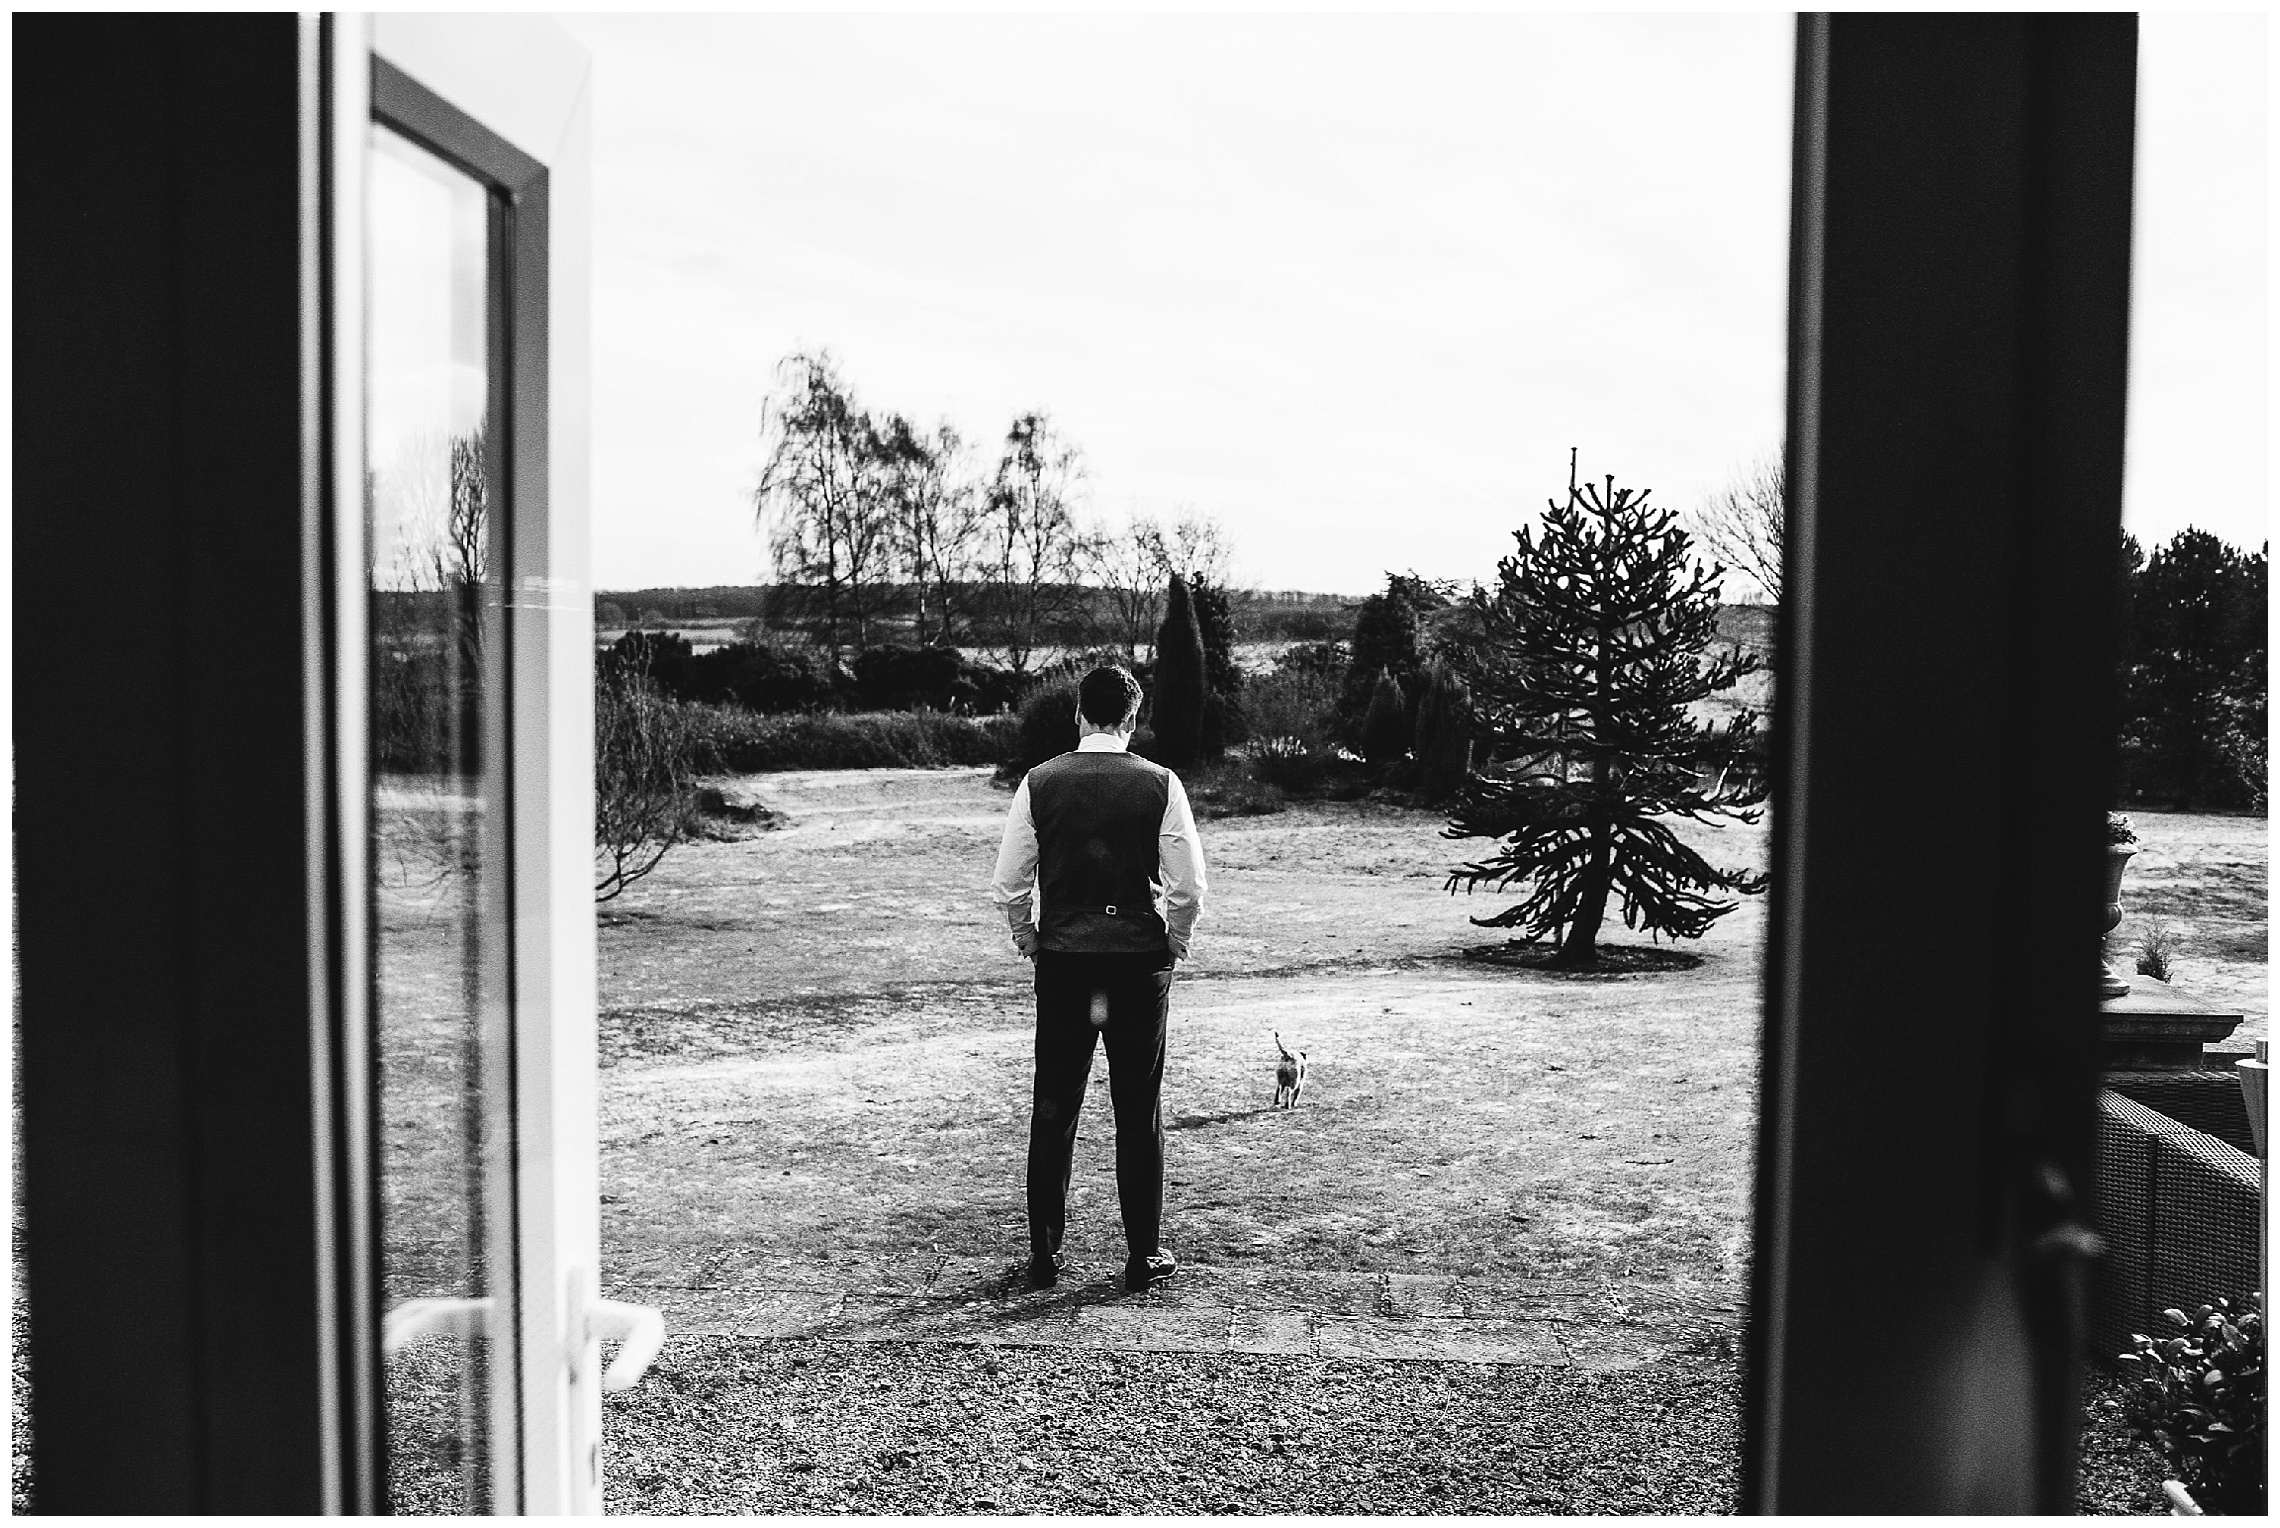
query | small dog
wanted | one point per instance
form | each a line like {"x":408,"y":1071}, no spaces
{"x":1290,"y":1076}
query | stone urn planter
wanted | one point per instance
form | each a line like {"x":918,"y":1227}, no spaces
{"x":2121,"y":844}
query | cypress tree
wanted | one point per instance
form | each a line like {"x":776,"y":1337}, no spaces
{"x":1444,"y":734}
{"x":1222,"y":680}
{"x":1593,"y":656}
{"x":1385,"y":730}
{"x":1180,"y":681}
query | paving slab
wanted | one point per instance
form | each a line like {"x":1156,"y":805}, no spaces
{"x":1275,"y":1333}
{"x":1421,"y":1317}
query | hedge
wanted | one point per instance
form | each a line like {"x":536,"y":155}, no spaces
{"x":730,"y":740}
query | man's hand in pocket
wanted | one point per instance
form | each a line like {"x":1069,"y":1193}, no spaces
{"x":1025,"y":940}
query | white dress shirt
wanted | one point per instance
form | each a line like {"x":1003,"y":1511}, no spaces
{"x":1179,"y":883}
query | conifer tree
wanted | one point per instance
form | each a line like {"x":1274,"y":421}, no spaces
{"x":1385,"y":729}
{"x":1595,"y":640}
{"x":1444,"y":736}
{"x":1180,"y":681}
{"x":1222,"y":680}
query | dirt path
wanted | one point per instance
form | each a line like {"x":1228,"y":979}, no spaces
{"x":817,"y":1090}
{"x":817,"y":1050}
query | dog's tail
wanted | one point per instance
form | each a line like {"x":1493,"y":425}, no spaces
{"x":1286,"y":1055}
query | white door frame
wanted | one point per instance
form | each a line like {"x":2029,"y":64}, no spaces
{"x":525,"y":81}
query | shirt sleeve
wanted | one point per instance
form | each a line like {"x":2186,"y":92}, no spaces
{"x":1180,"y":854}
{"x":1011,"y":886}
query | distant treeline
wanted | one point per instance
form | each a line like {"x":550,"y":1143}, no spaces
{"x":1084,"y":613}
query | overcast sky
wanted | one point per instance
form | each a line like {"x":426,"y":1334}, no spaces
{"x":1352,"y":284}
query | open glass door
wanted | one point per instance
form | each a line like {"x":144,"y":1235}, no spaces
{"x":460,"y":190}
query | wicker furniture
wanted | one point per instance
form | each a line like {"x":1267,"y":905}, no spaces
{"x":2178,"y":1207}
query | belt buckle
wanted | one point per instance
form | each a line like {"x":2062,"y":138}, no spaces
{"x":1111,"y":909}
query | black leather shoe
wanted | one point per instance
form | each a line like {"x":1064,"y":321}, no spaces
{"x":1044,"y":1269}
{"x":1155,"y":1268}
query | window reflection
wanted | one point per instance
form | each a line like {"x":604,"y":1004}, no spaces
{"x":432,"y":598}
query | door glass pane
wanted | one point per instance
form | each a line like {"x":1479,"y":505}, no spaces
{"x":433,"y":620}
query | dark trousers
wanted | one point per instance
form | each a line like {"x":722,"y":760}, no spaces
{"x":1138,"y":989}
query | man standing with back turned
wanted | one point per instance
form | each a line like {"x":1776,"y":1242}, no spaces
{"x":1111,"y":845}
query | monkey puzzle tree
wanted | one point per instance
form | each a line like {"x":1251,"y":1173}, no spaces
{"x":1594,"y":654}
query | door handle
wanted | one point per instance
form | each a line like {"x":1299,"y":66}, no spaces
{"x":450,"y":1315}
{"x":640,"y":1334}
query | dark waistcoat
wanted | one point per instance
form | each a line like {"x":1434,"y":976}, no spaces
{"x":1098,"y":818}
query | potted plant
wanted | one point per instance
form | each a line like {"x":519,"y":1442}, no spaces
{"x":2121,"y":843}
{"x":2198,"y":1396}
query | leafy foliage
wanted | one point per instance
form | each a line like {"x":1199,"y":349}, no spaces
{"x":1595,"y":637}
{"x":2193,"y":672}
{"x":2157,"y":952}
{"x":1181,"y":682}
{"x":2198,"y":1396}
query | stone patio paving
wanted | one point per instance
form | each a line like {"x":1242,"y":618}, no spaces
{"x":1546,"y":1322}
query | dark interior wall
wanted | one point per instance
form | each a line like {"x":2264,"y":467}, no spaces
{"x":1960,"y":286}
{"x":162,"y":890}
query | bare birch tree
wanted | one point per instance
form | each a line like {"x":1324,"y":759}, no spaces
{"x":1194,"y":545}
{"x":1741,"y":524}
{"x":1031,"y":537}
{"x":822,"y":502}
{"x":1126,"y":563}
{"x":937,"y":512}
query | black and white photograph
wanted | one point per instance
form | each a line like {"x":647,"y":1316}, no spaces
{"x":1163,"y":763}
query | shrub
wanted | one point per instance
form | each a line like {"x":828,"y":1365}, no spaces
{"x":1290,"y":766}
{"x":1293,"y":705}
{"x":1045,"y":729}
{"x":2199,"y":1398}
{"x":661,"y":657}
{"x":2156,"y":952}
{"x":733,"y":741}
{"x":644,"y":796}
{"x":1326,"y":658}
{"x":1293,"y":712}
{"x":761,"y":678}
{"x":1385,"y":728}
{"x":899,"y":678}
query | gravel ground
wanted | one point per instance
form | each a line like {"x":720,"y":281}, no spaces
{"x":757,"y":1425}
{"x":2121,"y":1475}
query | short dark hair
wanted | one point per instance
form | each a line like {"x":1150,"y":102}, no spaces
{"x":1109,"y":696}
